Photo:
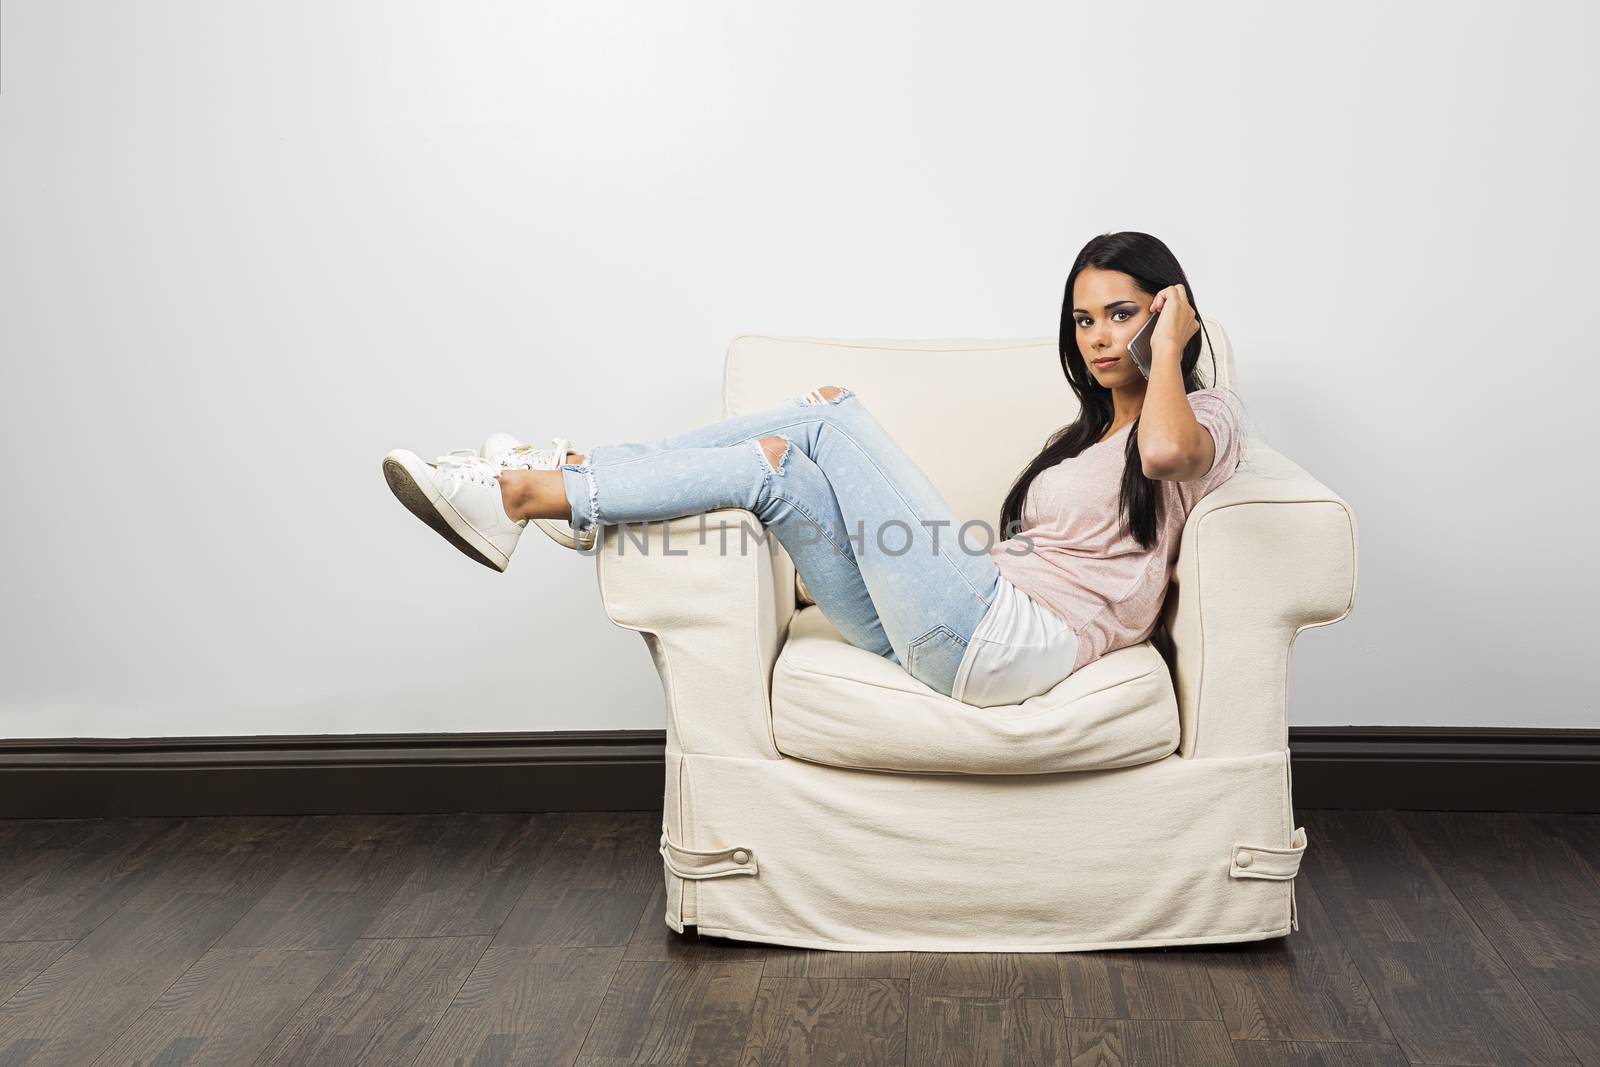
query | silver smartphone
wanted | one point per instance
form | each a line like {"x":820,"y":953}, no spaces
{"x":1139,"y":346}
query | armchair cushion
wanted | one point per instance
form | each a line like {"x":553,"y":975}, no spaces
{"x":837,"y":704}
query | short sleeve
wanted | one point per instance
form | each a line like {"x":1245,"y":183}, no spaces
{"x":1218,"y":412}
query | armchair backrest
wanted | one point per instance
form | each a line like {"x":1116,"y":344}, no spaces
{"x":971,"y":413}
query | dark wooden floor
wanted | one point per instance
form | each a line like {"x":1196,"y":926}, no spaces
{"x":529,"y":939}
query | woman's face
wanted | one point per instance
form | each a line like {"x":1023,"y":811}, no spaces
{"x":1107,"y":310}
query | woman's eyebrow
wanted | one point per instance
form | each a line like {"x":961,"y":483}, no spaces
{"x":1114,"y":303}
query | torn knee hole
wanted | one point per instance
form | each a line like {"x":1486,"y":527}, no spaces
{"x":775,"y":448}
{"x":824,"y":395}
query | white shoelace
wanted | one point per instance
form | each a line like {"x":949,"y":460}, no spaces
{"x":527,"y":457}
{"x":465,"y":464}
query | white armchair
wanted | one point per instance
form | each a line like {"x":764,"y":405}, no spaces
{"x":817,"y":795}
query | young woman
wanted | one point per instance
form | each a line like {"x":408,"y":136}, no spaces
{"x":1091,"y":525}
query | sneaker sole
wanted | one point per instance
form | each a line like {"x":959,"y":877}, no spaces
{"x":408,"y":480}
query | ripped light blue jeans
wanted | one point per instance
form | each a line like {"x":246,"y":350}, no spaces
{"x":879,"y":549}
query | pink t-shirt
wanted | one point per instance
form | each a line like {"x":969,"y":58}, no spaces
{"x":1083,"y":566}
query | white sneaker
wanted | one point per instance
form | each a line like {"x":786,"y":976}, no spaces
{"x":504,"y":451}
{"x":458,"y":494}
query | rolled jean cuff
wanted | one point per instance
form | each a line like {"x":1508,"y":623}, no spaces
{"x":583,"y":495}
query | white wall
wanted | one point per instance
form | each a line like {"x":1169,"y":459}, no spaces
{"x":248,"y":248}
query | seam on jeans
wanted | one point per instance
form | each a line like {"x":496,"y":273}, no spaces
{"x":594,"y":495}
{"x":916,"y":643}
{"x":922,"y":641}
{"x":866,"y":455}
{"x":812,"y":519}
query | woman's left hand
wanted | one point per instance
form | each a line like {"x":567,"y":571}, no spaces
{"x":1177,"y":323}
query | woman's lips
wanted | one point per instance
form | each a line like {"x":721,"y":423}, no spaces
{"x":1105,"y":362}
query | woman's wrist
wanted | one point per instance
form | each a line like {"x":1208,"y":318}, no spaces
{"x":1166,"y":352}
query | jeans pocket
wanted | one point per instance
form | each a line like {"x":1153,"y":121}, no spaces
{"x":935,"y":657}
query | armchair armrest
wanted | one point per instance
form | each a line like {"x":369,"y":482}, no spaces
{"x":1270,"y":552}
{"x":712,"y":596}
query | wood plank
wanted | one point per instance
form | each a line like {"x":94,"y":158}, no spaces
{"x":674,"y":1013}
{"x":339,"y":882}
{"x":23,"y":961}
{"x":1446,"y":993}
{"x":1157,"y":983}
{"x":1579,"y":838}
{"x":379,"y":1003}
{"x":65,"y":880}
{"x":523,"y":1006}
{"x":786,"y":962}
{"x":470,"y":876}
{"x":28,"y":846}
{"x":856,"y":1021}
{"x":591,"y":887}
{"x":1149,"y":1043}
{"x":985,"y":974}
{"x":988,"y":1031}
{"x":225,"y":1009}
{"x":1533,"y":888}
{"x":1304,"y":987}
{"x":215,"y":870}
{"x":1318,"y":1054}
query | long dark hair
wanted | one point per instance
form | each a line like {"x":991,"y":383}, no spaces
{"x":1153,"y":267}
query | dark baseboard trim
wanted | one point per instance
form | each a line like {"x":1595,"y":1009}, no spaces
{"x":1446,"y":768}
{"x":1440,"y":768}
{"x":602,"y":770}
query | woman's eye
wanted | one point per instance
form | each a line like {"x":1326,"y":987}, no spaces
{"x":1085,"y":322}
